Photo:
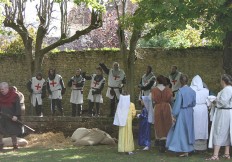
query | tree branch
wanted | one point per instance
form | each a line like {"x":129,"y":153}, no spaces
{"x":96,"y":22}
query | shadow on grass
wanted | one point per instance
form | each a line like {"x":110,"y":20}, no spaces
{"x":93,"y":154}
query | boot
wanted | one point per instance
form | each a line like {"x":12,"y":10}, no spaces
{"x":90,"y":111}
{"x":112,"y":107}
{"x":79,"y":110}
{"x":74,"y":110}
{"x":1,"y":147}
{"x":97,"y":110}
{"x":15,"y":147}
{"x":162,"y":148}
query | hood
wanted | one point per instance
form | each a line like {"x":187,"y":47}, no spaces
{"x":197,"y":83}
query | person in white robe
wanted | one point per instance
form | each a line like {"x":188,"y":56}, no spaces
{"x":175,"y":79}
{"x":200,"y":114}
{"x":221,"y":129}
{"x":56,"y":88}
{"x":95,"y":92}
{"x":37,"y":87}
{"x":77,"y":83}
{"x":146,"y":83}
{"x":116,"y":81}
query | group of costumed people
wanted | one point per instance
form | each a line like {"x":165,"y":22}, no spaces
{"x":55,"y":86}
{"x":180,"y":114}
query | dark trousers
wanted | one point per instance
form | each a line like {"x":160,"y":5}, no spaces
{"x":38,"y":109}
{"x":113,"y":103}
{"x":97,"y":110}
{"x":57,"y":103}
{"x":76,"y":109}
{"x":13,"y":138}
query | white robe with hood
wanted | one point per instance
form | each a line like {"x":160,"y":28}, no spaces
{"x":200,"y":113}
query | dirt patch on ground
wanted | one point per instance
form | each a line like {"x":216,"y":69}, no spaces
{"x":48,"y":140}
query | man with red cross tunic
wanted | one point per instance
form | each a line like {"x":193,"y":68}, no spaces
{"x":175,"y":79}
{"x":146,"y":83}
{"x":56,"y":88}
{"x":116,"y":79}
{"x":96,"y":87}
{"x":37,"y":87}
{"x":77,"y":83}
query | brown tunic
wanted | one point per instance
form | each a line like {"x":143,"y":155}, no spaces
{"x":163,"y":118}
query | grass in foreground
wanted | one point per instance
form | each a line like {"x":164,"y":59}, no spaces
{"x":93,"y":154}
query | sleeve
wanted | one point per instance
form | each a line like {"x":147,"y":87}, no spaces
{"x":177,"y":105}
{"x":148,"y":86}
{"x":22,"y":100}
{"x":29,"y":86}
{"x":104,"y":68}
{"x":44,"y":90}
{"x":124,"y":79}
{"x":17,"y":107}
{"x":82,"y":83}
{"x":70,"y":82}
{"x":132,"y":107}
{"x":48,"y":87}
{"x":62,"y":83}
{"x":87,"y":77}
{"x":140,"y":83}
{"x":194,"y":99}
{"x":144,"y":114}
{"x":224,"y":98}
{"x":169,"y":95}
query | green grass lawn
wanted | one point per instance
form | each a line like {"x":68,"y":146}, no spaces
{"x":93,"y":153}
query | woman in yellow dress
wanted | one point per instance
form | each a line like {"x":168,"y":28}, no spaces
{"x":123,"y":118}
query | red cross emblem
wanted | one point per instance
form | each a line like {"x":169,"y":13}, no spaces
{"x":116,"y":77}
{"x":38,"y":87}
{"x":174,"y":81}
{"x":95,"y":83}
{"x":53,"y":83}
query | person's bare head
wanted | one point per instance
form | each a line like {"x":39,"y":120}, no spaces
{"x":4,"y":88}
{"x":226,"y":80}
{"x":78,"y":71}
{"x":99,"y":71}
{"x":39,"y":75}
{"x":183,"y":79}
{"x":115,"y":65}
{"x":173,"y":69}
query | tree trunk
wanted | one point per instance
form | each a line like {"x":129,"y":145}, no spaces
{"x":29,"y":56}
{"x":227,"y":53}
{"x":38,"y":62}
{"x":131,"y":63}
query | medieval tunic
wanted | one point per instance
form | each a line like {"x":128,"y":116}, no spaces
{"x":175,"y":81}
{"x":37,"y":86}
{"x":10,"y":105}
{"x":181,"y":135}
{"x":77,"y":83}
{"x":147,"y":81}
{"x":146,"y":119}
{"x":221,"y":129}
{"x":123,"y":118}
{"x":163,"y":119}
{"x":96,"y":88}
{"x":115,"y":82}
{"x":200,"y":114}
{"x":55,"y":87}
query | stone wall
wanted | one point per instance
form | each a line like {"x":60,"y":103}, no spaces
{"x":205,"y":62}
